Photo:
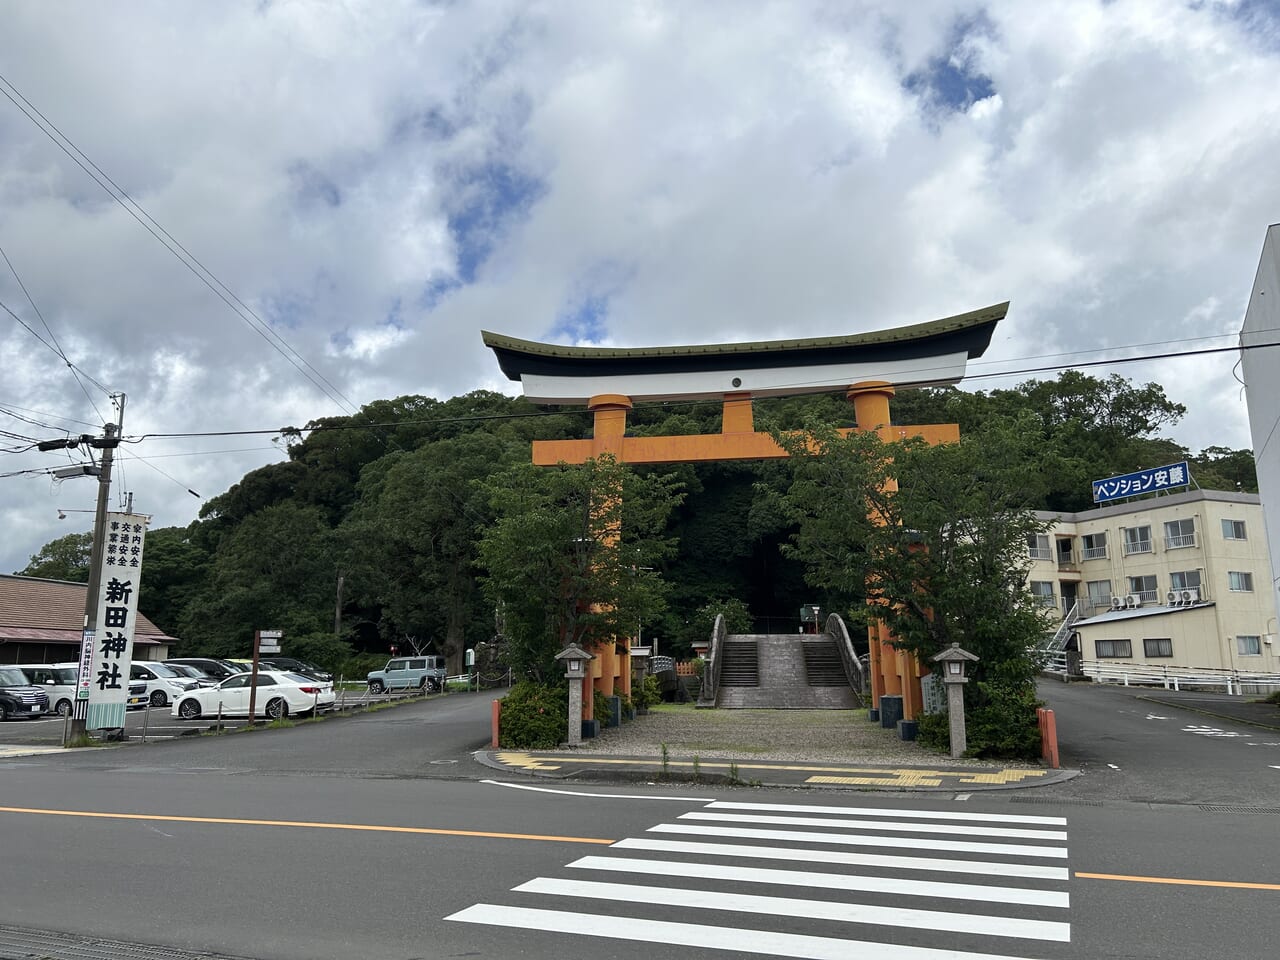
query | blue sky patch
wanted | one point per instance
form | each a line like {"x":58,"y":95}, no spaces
{"x":493,"y":197}
{"x":952,"y":82}
{"x":582,"y":321}
{"x":311,"y":187}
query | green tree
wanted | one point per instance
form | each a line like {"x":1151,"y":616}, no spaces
{"x":66,"y":558}
{"x":411,"y":541}
{"x":275,"y":570}
{"x":174,"y":566}
{"x":945,"y":554}
{"x":570,"y":557}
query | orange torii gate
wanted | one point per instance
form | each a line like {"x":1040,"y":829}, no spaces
{"x":869,"y":367}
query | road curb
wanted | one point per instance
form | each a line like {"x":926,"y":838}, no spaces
{"x":860,"y":777}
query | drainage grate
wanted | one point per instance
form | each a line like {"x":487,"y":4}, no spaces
{"x":21,"y":943}
{"x":1236,"y":808}
{"x":1064,"y":803}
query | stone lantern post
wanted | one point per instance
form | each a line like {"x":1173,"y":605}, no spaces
{"x":639,"y":667}
{"x":953,"y":662}
{"x":575,"y":666}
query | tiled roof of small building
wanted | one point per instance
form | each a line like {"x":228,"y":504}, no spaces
{"x":33,"y":609}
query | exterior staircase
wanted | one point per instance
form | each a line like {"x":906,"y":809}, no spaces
{"x":783,"y":671}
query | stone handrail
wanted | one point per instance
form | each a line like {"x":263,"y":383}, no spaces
{"x":711,"y":672}
{"x":853,"y":669}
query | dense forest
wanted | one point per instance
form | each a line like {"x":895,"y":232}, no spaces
{"x":368,"y":535}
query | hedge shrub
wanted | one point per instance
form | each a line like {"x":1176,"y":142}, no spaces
{"x":535,"y":716}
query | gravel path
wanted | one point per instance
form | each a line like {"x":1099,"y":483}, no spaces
{"x":835,"y":736}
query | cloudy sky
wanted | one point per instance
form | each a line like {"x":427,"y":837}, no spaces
{"x":356,"y":189}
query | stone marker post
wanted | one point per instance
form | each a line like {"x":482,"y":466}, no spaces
{"x":954,"y":660}
{"x":575,"y":663}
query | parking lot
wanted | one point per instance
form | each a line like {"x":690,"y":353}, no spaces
{"x":158,"y":723}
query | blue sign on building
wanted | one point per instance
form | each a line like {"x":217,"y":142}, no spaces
{"x":1144,"y":481}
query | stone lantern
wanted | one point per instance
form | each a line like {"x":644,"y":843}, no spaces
{"x":953,"y":663}
{"x":575,"y":667}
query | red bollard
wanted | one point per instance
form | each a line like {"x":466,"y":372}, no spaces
{"x":1048,"y":736}
{"x":497,"y":712}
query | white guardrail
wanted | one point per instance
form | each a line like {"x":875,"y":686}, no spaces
{"x":1235,"y":682}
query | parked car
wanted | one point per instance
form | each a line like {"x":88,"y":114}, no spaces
{"x":163,"y":682}
{"x":193,"y":673}
{"x":279,"y":693}
{"x":57,"y":681}
{"x":19,"y":697}
{"x":304,"y":667}
{"x":214,"y":667}
{"x":426,"y":673}
{"x":137,"y":697}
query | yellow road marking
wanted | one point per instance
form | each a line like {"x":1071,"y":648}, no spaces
{"x":925,"y":778}
{"x":526,"y":761}
{"x":368,"y":827}
{"x":1180,"y":881}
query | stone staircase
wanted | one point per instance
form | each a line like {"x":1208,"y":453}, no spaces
{"x":785,"y":671}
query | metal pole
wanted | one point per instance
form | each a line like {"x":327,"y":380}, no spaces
{"x":80,"y":713}
{"x":253,"y":679}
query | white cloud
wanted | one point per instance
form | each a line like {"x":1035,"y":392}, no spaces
{"x":381,"y":180}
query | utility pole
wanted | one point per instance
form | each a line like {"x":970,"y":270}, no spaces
{"x":108,"y":444}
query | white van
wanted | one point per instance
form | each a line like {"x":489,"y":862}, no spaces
{"x":57,"y":680}
{"x":163,"y":682}
{"x":424,"y":673}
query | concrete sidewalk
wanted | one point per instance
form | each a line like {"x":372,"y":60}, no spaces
{"x":790,"y":748}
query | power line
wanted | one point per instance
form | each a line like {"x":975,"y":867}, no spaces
{"x":57,"y":347}
{"x":675,"y":404}
{"x":167,"y":240}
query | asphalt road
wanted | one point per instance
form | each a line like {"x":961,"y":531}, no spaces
{"x":376,"y":837}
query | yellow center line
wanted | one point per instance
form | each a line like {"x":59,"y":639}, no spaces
{"x":1180,"y":881}
{"x":367,"y":827}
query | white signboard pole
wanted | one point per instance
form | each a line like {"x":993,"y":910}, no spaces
{"x":107,"y":647}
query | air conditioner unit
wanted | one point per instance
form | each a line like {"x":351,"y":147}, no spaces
{"x":1191,"y":596}
{"x":1133,"y":600}
{"x":1173,"y":598}
{"x":1117,"y":603}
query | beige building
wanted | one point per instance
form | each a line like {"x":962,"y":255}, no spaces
{"x":1182,"y":580}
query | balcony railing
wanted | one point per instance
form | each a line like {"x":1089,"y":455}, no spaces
{"x":1184,"y":540}
{"x":1040,"y":553}
{"x":1137,"y":546}
{"x":1095,"y":553}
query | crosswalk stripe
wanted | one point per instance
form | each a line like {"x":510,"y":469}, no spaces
{"x":980,"y":924}
{"x":856,"y":840}
{"x":937,"y":864}
{"x":903,"y":826}
{"x":889,"y":812}
{"x":799,"y":946}
{"x":833,"y":881}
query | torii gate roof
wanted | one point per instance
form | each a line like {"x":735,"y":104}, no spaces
{"x":923,"y":354}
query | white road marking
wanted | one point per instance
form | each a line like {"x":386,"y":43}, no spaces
{"x":596,"y":796}
{"x":1152,"y":716}
{"x":831,"y":881}
{"x":889,"y":812}
{"x":963,"y":796}
{"x":1113,"y":766}
{"x":911,"y":843}
{"x":795,"y":945}
{"x":936,"y":864}
{"x":902,"y":826}
{"x":896,"y":916}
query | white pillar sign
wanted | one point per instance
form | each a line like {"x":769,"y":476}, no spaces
{"x":107,"y":650}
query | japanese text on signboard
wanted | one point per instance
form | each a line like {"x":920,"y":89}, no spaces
{"x":1144,"y":481}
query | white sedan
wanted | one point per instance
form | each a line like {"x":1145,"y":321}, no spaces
{"x":279,"y":693}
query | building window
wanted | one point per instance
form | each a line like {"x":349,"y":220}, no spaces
{"x":1247,"y":646}
{"x":1094,"y":546}
{"x":1179,"y":533}
{"x":1113,"y":649}
{"x":1137,"y":540}
{"x":1185,"y":580}
{"x":1066,"y":556}
{"x":1239,"y":581}
{"x":1099,"y":593}
{"x":1042,"y":590}
{"x":1144,"y":587}
{"x":1233,"y":530}
{"x":1038,"y":546}
{"x":1161,"y":647}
